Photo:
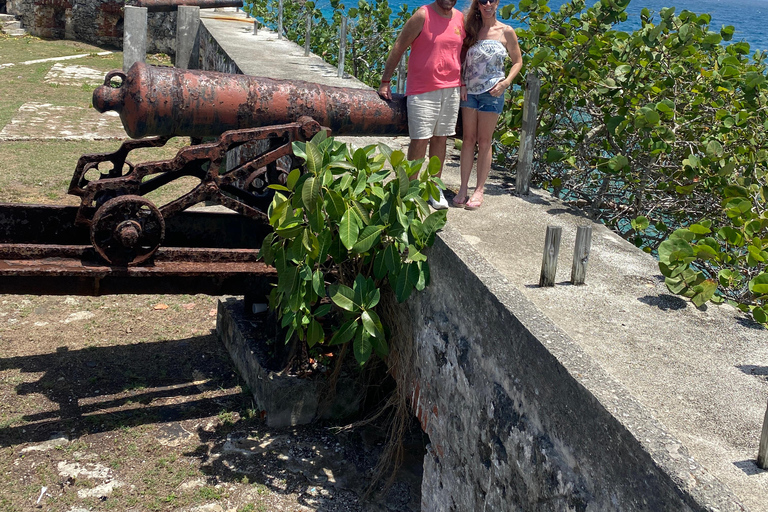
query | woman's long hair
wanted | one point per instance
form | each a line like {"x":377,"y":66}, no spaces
{"x":472,"y":24}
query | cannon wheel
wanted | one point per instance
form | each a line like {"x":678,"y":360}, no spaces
{"x":127,"y":230}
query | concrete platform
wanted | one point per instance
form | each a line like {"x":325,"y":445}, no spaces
{"x":41,"y":121}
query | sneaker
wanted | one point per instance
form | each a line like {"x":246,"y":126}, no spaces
{"x":440,"y":204}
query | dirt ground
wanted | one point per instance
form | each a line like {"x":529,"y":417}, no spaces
{"x":130,"y":402}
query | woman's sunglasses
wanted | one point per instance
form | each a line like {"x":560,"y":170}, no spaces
{"x":483,"y":2}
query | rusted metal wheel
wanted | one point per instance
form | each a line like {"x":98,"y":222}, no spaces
{"x":127,"y":230}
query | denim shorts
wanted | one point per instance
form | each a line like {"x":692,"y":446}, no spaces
{"x":484,"y":102}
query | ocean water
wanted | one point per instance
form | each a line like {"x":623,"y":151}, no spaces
{"x":748,"y":17}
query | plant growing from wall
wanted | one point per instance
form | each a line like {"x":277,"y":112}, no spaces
{"x":354,"y":222}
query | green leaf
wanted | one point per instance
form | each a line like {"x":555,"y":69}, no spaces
{"x":310,"y":192}
{"x":360,"y":159}
{"x":714,"y":149}
{"x":760,"y":314}
{"x":703,"y":292}
{"x":367,"y":238}
{"x":759,"y":285}
{"x":315,"y":333}
{"x":618,"y":162}
{"x":379,"y":265}
{"x":372,"y":324}
{"x":674,"y":249}
{"x":345,"y":332}
{"x":318,"y":283}
{"x":349,"y":228}
{"x":640,"y":223}
{"x":392,"y":259}
{"x":343,"y":296}
{"x":362,"y":346}
{"x":699,"y":229}
{"x":403,"y":288}
{"x":314,"y":158}
{"x":266,"y":253}
{"x":293,"y":177}
{"x":322,"y":310}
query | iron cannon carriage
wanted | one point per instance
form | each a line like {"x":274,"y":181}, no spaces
{"x":241,"y":128}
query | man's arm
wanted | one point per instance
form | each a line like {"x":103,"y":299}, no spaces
{"x":411,"y":30}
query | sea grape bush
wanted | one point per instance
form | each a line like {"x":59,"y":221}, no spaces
{"x":354,"y":222}
{"x":660,"y":133}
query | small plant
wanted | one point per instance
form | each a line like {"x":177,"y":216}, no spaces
{"x":342,"y":230}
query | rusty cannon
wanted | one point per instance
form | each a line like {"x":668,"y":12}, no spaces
{"x":168,"y":101}
{"x":173,"y":5}
{"x":242,"y":129}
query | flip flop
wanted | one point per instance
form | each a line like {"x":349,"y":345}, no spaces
{"x":459,"y":204}
{"x":473,"y":204}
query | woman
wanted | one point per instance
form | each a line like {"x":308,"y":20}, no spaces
{"x":488,"y":43}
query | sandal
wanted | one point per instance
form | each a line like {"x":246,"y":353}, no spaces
{"x":473,"y":204}
{"x":459,"y":204}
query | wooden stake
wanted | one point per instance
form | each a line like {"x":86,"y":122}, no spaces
{"x":551,"y":250}
{"x":762,"y":452}
{"x":527,"y":133}
{"x":581,"y":254}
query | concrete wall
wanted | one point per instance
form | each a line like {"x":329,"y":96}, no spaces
{"x":509,"y":403}
{"x":97,"y":22}
{"x":212,"y":56}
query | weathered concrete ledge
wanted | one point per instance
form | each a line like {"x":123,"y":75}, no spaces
{"x":614,"y":395}
{"x":284,"y":400}
{"x":521,"y":418}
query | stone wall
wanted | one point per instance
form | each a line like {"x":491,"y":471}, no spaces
{"x":211,"y":55}
{"x":510,"y":407}
{"x":97,"y":22}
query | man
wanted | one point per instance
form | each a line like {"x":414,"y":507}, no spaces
{"x":435,"y":34}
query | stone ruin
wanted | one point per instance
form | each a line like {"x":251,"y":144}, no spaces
{"x":97,"y":22}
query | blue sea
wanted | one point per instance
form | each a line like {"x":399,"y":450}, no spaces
{"x":748,"y":17}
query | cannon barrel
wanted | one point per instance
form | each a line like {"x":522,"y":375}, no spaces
{"x":168,"y":101}
{"x":173,"y":5}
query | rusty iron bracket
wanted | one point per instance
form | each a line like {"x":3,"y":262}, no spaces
{"x":127,"y":229}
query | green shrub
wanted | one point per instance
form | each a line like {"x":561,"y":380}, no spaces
{"x":343,"y":229}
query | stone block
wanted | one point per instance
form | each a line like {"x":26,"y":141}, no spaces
{"x":284,"y":400}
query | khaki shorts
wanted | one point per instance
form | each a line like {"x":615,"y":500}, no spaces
{"x":433,"y":113}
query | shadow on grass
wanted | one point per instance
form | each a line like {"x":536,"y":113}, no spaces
{"x":107,"y":388}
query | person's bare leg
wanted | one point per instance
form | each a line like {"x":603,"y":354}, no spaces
{"x":437,"y":148}
{"x":486,"y":124}
{"x":467,"y":159}
{"x":417,"y":149}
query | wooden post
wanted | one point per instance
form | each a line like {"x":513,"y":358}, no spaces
{"x":342,"y":45}
{"x":551,"y":250}
{"x":307,"y":35}
{"x":581,"y":254}
{"x":762,"y":453}
{"x":527,"y":133}
{"x":400,"y":88}
{"x":280,"y":19}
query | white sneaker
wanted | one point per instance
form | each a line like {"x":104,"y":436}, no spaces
{"x":440,"y":204}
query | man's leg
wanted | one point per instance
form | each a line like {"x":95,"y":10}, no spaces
{"x":437,"y":146}
{"x":418,"y":148}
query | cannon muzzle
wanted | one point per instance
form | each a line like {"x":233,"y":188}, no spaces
{"x":169,"y":101}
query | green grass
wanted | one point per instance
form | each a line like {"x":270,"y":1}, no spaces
{"x":40,"y":171}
